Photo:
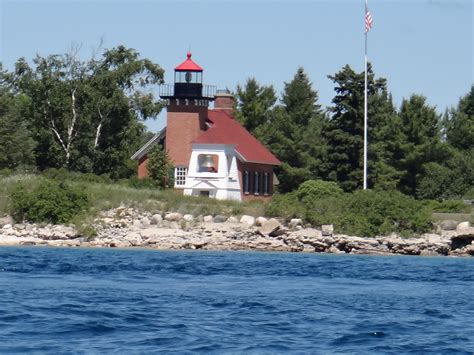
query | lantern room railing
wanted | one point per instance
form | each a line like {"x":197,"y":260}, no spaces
{"x":196,"y":91}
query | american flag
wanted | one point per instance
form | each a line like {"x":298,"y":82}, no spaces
{"x":368,"y":20}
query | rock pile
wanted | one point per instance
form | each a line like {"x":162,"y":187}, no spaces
{"x":128,"y":227}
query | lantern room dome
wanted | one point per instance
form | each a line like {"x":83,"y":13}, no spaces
{"x":188,"y":65}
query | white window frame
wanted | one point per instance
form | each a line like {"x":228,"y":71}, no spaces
{"x":180,"y":174}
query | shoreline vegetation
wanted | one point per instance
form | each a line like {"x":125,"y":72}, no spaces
{"x":90,"y":211}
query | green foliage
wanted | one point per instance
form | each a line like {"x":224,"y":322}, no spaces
{"x":294,"y":134}
{"x":63,"y":174}
{"x":317,"y":189}
{"x":50,"y":201}
{"x":447,"y":206}
{"x":460,"y":123}
{"x":286,"y":206}
{"x":345,"y":130}
{"x":85,"y":115}
{"x":421,"y":127}
{"x":136,"y":183}
{"x":160,"y":168}
{"x":254,"y":102}
{"x":363,"y":213}
{"x":381,"y":212}
{"x":16,"y":142}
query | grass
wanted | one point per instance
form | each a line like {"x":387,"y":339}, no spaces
{"x":105,"y":196}
{"x":458,"y":217}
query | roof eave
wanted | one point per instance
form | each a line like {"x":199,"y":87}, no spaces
{"x":147,"y":146}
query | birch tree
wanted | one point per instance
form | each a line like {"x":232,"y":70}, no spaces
{"x":88,"y":114}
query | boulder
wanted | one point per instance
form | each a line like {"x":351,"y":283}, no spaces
{"x":6,"y":220}
{"x":260,"y":221}
{"x":156,"y":219}
{"x":173,"y":216}
{"x":7,"y":226}
{"x":295,"y":222}
{"x":448,"y":225}
{"x":232,"y":219}
{"x":145,"y":221}
{"x":249,"y":220}
{"x":134,"y":238}
{"x":188,"y":218}
{"x":219,"y":219}
{"x":327,"y":230}
{"x":207,"y":219}
{"x":332,"y":249}
{"x":269,"y":228}
{"x":463,"y":226}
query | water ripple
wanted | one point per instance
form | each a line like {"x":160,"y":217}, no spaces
{"x":137,"y":301}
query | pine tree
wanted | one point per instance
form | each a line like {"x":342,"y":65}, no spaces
{"x":294,"y":134}
{"x":16,"y":143}
{"x":254,"y":103}
{"x":421,"y":126}
{"x":460,"y":124}
{"x":345,"y":132}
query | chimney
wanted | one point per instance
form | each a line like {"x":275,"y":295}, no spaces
{"x":224,"y":101}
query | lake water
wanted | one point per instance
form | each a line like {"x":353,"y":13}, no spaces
{"x":143,"y":301}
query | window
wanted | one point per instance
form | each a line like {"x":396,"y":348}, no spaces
{"x":246,"y":183}
{"x":180,"y":176}
{"x":266,"y":183}
{"x":256,"y":183}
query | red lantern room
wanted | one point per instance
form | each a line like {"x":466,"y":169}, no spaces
{"x":188,"y":83}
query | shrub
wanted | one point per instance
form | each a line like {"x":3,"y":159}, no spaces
{"x":286,"y":206}
{"x":160,"y":167}
{"x":364,"y":213}
{"x":316,"y":189}
{"x":50,"y":201}
{"x":448,"y":206}
{"x":381,"y":212}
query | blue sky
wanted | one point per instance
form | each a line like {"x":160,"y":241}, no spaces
{"x":420,"y":46}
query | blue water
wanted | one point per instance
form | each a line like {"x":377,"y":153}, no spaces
{"x":141,"y":301}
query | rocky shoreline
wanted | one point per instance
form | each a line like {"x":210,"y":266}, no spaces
{"x":128,"y":227}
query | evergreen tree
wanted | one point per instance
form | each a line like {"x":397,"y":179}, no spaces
{"x":294,"y":134}
{"x":16,"y":143}
{"x":345,"y":132}
{"x":421,"y":128}
{"x":254,"y":103}
{"x":460,"y":124}
{"x":160,"y":168}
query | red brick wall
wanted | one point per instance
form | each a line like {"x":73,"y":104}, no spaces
{"x":183,"y":125}
{"x":254,"y":167}
{"x":224,"y":102}
{"x":142,"y":169}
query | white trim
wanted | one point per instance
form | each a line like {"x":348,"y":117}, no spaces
{"x":148,"y":145}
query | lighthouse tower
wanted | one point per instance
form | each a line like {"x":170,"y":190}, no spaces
{"x":187,"y":104}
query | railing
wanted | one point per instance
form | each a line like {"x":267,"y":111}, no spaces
{"x":196,"y":91}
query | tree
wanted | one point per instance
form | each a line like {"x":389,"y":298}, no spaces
{"x":159,"y":166}
{"x":254,"y":102}
{"x":345,"y":131}
{"x":86,"y":113}
{"x":421,"y":128}
{"x":460,"y":123}
{"x":295,"y":133}
{"x":16,"y":143}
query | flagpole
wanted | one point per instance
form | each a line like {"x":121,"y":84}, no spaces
{"x":365,"y":106}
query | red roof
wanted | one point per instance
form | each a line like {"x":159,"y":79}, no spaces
{"x":188,"y":65}
{"x":226,"y":130}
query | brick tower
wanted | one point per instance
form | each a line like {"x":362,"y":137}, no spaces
{"x":187,"y":104}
